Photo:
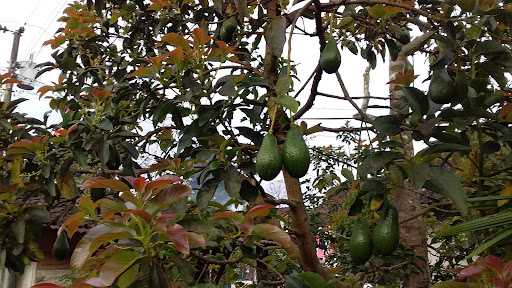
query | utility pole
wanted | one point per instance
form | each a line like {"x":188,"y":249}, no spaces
{"x":12,"y":63}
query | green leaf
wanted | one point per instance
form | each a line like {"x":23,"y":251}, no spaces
{"x":502,"y":235}
{"x":232,"y":182}
{"x":417,"y":172}
{"x":67,"y":186}
{"x":288,"y":102}
{"x":388,"y":125}
{"x":376,"y":161}
{"x":313,"y":280}
{"x":275,"y":35}
{"x":206,"y":192}
{"x":274,"y":233}
{"x":294,"y":281}
{"x":284,"y":82}
{"x":445,"y":147}
{"x":106,"y":124}
{"x":94,"y":239}
{"x":120,"y":261}
{"x":417,"y":100}
{"x":486,"y":222}
{"x":347,"y":173}
{"x":447,"y":183}
{"x":128,"y":277}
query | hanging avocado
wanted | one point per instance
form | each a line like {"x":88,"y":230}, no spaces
{"x":295,"y":153}
{"x":360,"y":243}
{"x":61,"y":249}
{"x":228,"y":29}
{"x":268,"y":160}
{"x":442,"y":89}
{"x":386,"y":235}
{"x":330,"y":58}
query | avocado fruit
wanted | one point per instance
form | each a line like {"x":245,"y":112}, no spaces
{"x":268,"y":160}
{"x":330,"y":58}
{"x":386,"y":234}
{"x":360,"y":243}
{"x":61,"y":248}
{"x":442,"y":88}
{"x":296,"y":157}
{"x":228,"y":29}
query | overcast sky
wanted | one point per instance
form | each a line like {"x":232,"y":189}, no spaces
{"x":39,"y":18}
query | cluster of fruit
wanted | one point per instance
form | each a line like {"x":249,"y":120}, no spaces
{"x":383,"y":241}
{"x":295,"y":156}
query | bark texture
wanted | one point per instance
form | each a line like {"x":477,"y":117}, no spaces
{"x":413,"y":234}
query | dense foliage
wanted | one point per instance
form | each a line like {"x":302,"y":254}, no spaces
{"x":165,"y":104}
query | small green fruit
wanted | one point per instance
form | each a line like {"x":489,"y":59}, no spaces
{"x":61,"y":248}
{"x":386,"y":235}
{"x":330,"y":58}
{"x":296,"y":157}
{"x":360,"y":243}
{"x":268,"y":160}
{"x":228,"y":29}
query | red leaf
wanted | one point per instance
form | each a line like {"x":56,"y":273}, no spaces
{"x":46,"y":285}
{"x":196,"y":240}
{"x":469,"y":272}
{"x":100,"y":182}
{"x":200,"y":36}
{"x":492,"y":262}
{"x":227,"y":215}
{"x":139,"y":184}
{"x":141,"y":213}
{"x":260,"y":210}
{"x":73,"y":222}
{"x":179,"y":238}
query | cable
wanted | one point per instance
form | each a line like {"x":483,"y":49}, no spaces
{"x":33,"y":11}
{"x":56,"y":12}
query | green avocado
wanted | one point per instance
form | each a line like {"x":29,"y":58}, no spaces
{"x":360,"y":243}
{"x":268,"y":160}
{"x":442,"y":88}
{"x":295,"y":153}
{"x":228,"y":29}
{"x":330,"y":58}
{"x":386,"y":235}
{"x":61,"y":248}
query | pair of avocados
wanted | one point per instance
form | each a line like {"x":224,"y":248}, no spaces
{"x":385,"y":238}
{"x":330,"y":58}
{"x":295,"y":156}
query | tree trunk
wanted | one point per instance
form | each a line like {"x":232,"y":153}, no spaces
{"x":413,"y":234}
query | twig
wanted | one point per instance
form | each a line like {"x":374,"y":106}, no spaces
{"x":349,"y":99}
{"x":306,"y":83}
{"x":344,"y":129}
{"x":216,"y":261}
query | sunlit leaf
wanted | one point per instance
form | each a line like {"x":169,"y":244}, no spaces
{"x":100,"y":182}
{"x":114,"y":266}
{"x":274,"y":233}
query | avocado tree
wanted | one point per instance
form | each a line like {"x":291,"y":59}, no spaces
{"x":166,"y":103}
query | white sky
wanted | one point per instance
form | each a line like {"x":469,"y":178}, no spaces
{"x":39,"y":17}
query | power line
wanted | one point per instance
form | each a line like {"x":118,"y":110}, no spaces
{"x":56,"y":12}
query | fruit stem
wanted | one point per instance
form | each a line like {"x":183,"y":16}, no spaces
{"x":273,"y":119}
